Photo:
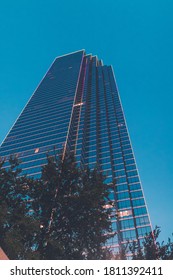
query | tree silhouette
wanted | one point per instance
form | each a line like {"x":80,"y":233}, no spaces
{"x":62,"y":215}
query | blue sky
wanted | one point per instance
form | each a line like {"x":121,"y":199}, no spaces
{"x":136,"y":38}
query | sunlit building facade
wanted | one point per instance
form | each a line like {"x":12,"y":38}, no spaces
{"x":77,"y":107}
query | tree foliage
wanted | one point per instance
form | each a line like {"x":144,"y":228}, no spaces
{"x":152,"y":249}
{"x":17,"y":227}
{"x":60,"y":216}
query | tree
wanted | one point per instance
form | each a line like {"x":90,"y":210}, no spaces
{"x":17,"y":228}
{"x":60,"y":216}
{"x":70,"y":203}
{"x":152,"y":249}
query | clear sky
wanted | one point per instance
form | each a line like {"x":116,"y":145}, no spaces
{"x":136,"y":37}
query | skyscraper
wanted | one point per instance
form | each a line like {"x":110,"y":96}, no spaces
{"x":77,"y":107}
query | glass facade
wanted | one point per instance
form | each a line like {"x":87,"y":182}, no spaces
{"x":77,"y":107}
